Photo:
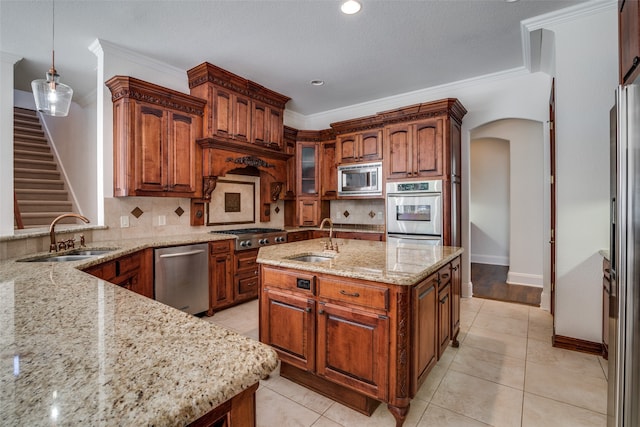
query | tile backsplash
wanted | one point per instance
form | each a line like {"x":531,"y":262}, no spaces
{"x":366,"y":211}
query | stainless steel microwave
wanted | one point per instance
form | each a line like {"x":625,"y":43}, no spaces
{"x":360,"y":179}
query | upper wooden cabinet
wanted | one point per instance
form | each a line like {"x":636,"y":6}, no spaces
{"x":238,"y":109}
{"x":358,"y":140}
{"x":154,"y":140}
{"x":629,"y":40}
{"x":423,"y":141}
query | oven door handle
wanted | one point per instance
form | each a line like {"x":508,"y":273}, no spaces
{"x":415,"y":236}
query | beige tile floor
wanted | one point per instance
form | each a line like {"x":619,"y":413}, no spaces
{"x":505,"y":373}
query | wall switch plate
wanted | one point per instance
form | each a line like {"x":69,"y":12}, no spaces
{"x":162,"y":220}
{"x":124,"y":221}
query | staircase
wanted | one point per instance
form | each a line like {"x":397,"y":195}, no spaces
{"x":39,"y":189}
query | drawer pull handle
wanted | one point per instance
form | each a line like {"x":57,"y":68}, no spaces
{"x":444,"y":300}
{"x":348,"y":294}
{"x":445,"y":276}
{"x":455,"y":267}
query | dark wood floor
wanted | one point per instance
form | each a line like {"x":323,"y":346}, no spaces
{"x":490,"y":281}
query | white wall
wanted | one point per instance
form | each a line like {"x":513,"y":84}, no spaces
{"x":586,"y":67}
{"x":527,"y":196}
{"x":7,"y":62}
{"x":489,"y":201}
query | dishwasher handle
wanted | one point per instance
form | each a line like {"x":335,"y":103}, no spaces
{"x":182,"y":254}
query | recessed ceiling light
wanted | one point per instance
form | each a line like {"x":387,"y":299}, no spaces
{"x":317,"y":82}
{"x":350,"y":7}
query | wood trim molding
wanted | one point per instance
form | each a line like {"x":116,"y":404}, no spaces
{"x":139,"y":90}
{"x":206,"y":72}
{"x":576,"y":344}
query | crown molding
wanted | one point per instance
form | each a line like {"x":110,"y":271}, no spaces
{"x":9,"y":57}
{"x":100,"y":46}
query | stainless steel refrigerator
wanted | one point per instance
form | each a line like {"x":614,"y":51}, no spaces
{"x":623,"y":408}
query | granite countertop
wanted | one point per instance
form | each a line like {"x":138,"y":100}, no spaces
{"x":398,"y":264}
{"x":77,"y":350}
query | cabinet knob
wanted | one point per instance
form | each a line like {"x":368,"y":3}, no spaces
{"x":308,"y":309}
{"x":321,"y":312}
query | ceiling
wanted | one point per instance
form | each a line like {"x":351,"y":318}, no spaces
{"x":390,"y":47}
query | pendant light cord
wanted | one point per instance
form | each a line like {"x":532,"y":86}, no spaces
{"x":53,"y":34}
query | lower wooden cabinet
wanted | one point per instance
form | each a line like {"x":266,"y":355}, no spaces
{"x":353,"y":348}
{"x":355,"y":235}
{"x":133,"y":272}
{"x":220,"y":275}
{"x":297,"y":236}
{"x":425,"y":337}
{"x":246,"y":276}
{"x":444,"y":318}
{"x":456,"y":293}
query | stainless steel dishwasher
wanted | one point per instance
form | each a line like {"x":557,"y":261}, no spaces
{"x":182,"y":277}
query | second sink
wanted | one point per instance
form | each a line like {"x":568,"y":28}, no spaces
{"x":311,"y":258}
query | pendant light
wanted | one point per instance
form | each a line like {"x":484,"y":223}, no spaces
{"x":52,"y":97}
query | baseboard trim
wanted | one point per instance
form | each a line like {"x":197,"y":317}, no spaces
{"x":576,"y":344}
{"x":524,"y":279}
{"x":490,"y":259}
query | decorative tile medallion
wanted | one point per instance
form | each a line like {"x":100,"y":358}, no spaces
{"x":179,"y":211}
{"x":346,"y":214}
{"x":372,"y":214}
{"x":277,"y":209}
{"x":137,"y":212}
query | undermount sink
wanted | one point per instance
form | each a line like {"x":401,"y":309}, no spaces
{"x":74,"y":255}
{"x":311,"y":258}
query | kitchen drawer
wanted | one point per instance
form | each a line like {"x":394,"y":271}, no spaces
{"x":248,"y":285}
{"x":296,"y":236}
{"x":127,"y":264}
{"x":246,"y":260}
{"x":354,"y":293}
{"x":444,"y":275}
{"x":291,"y":280}
{"x":218,"y":247}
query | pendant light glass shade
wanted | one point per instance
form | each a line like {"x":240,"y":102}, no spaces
{"x":52,"y":97}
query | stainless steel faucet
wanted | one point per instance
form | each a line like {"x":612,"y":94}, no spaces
{"x":54,"y":246}
{"x":328,"y":246}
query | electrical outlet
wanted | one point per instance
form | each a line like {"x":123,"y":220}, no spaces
{"x":162,"y":220}
{"x":124,"y":221}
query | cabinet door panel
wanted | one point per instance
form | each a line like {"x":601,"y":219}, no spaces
{"x":444,"y":318}
{"x":223,"y":113}
{"x":308,"y":210}
{"x":353,"y":348}
{"x":456,"y":292}
{"x":428,"y":148}
{"x":399,"y":155}
{"x":220,"y":280}
{"x":425,"y":336}
{"x":371,"y":146}
{"x":241,"y":118}
{"x":259,"y":121}
{"x":329,"y":174}
{"x":151,"y":158}
{"x":288,"y":326}
{"x":182,"y":147}
{"x":347,"y":149}
{"x":275,"y":127}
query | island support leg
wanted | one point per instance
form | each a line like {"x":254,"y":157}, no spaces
{"x":399,"y":413}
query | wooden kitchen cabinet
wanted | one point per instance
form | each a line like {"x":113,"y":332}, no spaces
{"x":220,"y":275}
{"x":238,"y":109}
{"x":424,"y":317}
{"x":133,"y":272}
{"x":154,"y":137}
{"x":246,"y":276}
{"x":629,"y":40}
{"x":308,"y":169}
{"x":414,"y":149}
{"x":444,"y":308}
{"x":356,"y":147}
{"x":296,"y":236}
{"x":329,"y":171}
{"x":359,"y":140}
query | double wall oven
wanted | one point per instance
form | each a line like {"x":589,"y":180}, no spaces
{"x":414,"y":212}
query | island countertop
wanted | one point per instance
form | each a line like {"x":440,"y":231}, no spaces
{"x":398,"y":264}
{"x":77,"y":350}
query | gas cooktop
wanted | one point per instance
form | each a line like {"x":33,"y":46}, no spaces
{"x":250,"y":238}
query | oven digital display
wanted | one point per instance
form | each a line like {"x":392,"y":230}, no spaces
{"x":413,"y":213}
{"x":414,"y":186}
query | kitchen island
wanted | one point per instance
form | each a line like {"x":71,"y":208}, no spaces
{"x":362,"y":325}
{"x":77,"y":350}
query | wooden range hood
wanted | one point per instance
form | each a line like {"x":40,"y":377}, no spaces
{"x":221,"y":156}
